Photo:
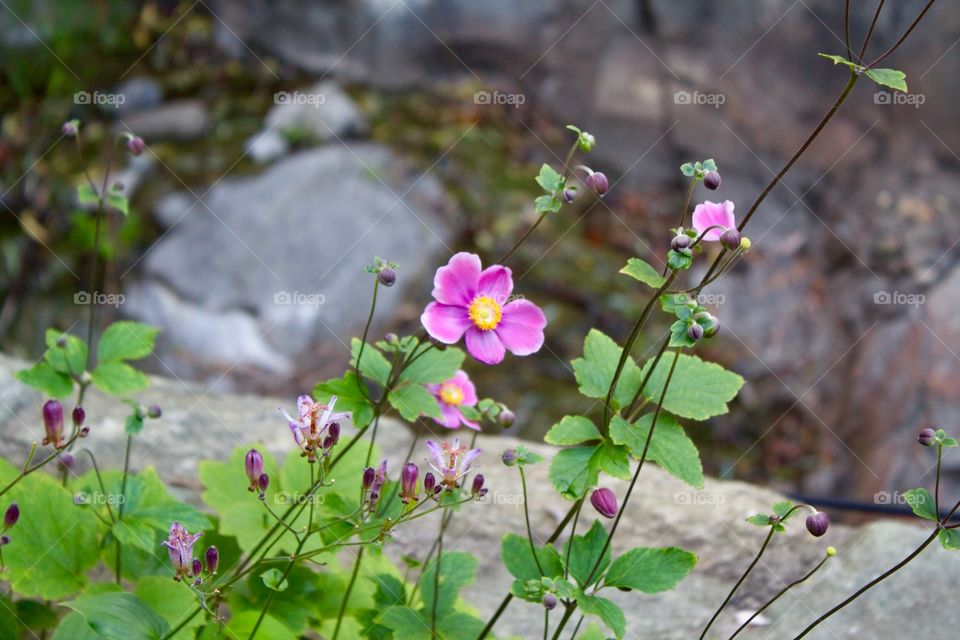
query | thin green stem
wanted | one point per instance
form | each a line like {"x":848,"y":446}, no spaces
{"x":366,"y":331}
{"x":347,"y":592}
{"x":526,"y":516}
{"x":936,"y":491}
{"x":123,"y":493}
{"x":568,"y":611}
{"x":436,"y":578}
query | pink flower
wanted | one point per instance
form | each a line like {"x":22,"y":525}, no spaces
{"x":311,"y":427}
{"x":451,"y":461}
{"x":180,"y":546}
{"x":474,"y":302}
{"x":456,"y":392}
{"x":718,"y":215}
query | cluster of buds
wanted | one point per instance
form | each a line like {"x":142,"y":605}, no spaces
{"x":253,"y":466}
{"x":373,"y":481}
{"x":317,"y":428}
{"x":451,"y":461}
{"x":385,"y":270}
{"x":10,"y":518}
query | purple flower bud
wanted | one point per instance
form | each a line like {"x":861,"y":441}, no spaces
{"x":66,"y":461}
{"x":712,"y":180}
{"x":4,"y":540}
{"x":53,"y":423}
{"x":79,"y":415}
{"x":730,"y":239}
{"x":714,"y":327}
{"x":11,"y":515}
{"x":509,"y":457}
{"x":70,"y":128}
{"x":368,"y":475}
{"x":505,"y":418}
{"x":262,"y":483}
{"x":598,"y":182}
{"x":136,"y":145}
{"x":680,"y":241}
{"x":549,"y":601}
{"x":84,"y":432}
{"x":408,"y":482}
{"x":927,"y":437}
{"x":429,"y":483}
{"x":605,"y":502}
{"x":478,"y":489}
{"x":212,"y":558}
{"x":392,"y":338}
{"x":387,"y":276}
{"x":253,"y":465}
{"x":153,"y":411}
{"x":569,"y":195}
{"x":695,"y":332}
{"x":817,"y":523}
{"x":197,"y":567}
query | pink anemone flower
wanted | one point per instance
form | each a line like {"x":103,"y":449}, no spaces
{"x":476,"y":302}
{"x":718,"y":215}
{"x":456,"y":392}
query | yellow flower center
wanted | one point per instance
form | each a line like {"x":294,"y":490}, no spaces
{"x":485,"y":313}
{"x":451,"y":394}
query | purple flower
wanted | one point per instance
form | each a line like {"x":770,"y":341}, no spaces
{"x":605,"y":502}
{"x":310,"y":429}
{"x":136,"y":145}
{"x":53,"y":423}
{"x":451,"y":395}
{"x":429,"y":483}
{"x":379,"y":479}
{"x":475,"y":302}
{"x":718,"y":215}
{"x":451,"y":461}
{"x":180,"y":546}
{"x":408,"y":482}
{"x":253,"y":466}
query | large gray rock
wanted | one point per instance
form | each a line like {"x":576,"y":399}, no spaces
{"x":261,"y":268}
{"x":198,"y":422}
{"x":322,"y":112}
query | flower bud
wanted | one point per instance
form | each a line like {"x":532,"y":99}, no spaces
{"x":368,"y":475}
{"x":549,"y":601}
{"x":730,"y":239}
{"x":136,"y":145}
{"x":262,"y":483}
{"x":387,"y":276}
{"x":84,"y":432}
{"x":605,"y":502}
{"x":78,"y":415}
{"x":695,"y":332}
{"x":429,"y":483}
{"x":598,"y":182}
{"x":569,"y":195}
{"x":505,"y":418}
{"x":66,"y":461}
{"x":71,"y":128}
{"x":154,"y":412}
{"x":408,"y":482}
{"x":11,"y":515}
{"x":586,"y":142}
{"x":392,"y":338}
{"x":212,"y":558}
{"x":714,"y":327}
{"x":927,"y":437}
{"x":253,"y":466}
{"x":680,"y":241}
{"x":196,"y":567}
{"x":817,"y":523}
{"x":509,"y":457}
{"x":831,"y":551}
{"x":745,"y":244}
{"x":478,"y":490}
{"x":4,"y":540}
{"x":53,"y":423}
{"x":712,"y":180}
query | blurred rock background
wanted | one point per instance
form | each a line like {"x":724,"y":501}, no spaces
{"x":292,"y":141}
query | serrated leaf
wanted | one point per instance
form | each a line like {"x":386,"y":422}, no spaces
{"x":613,"y":459}
{"x":687,"y":169}
{"x":889,"y":78}
{"x":606,"y":610}
{"x":411,"y":401}
{"x":782,"y":508}
{"x":922,"y":503}
{"x":679,"y":260}
{"x":518,"y":559}
{"x":119,"y":378}
{"x":644,"y":272}
{"x":373,"y":364}
{"x":433,"y":366}
{"x":698,"y":390}
{"x":71,"y":357}
{"x":670,"y":447}
{"x":650,"y":570}
{"x":572,"y":430}
{"x":549,"y":180}
{"x":710,"y":165}
{"x":950,"y":539}
{"x":126,"y":340}
{"x":573,"y":471}
{"x":594,"y":371}
{"x":43,"y":377}
{"x":585,"y":555}
{"x":547,"y":204}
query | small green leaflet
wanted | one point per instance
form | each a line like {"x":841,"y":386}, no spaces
{"x":644,"y":272}
{"x":922,"y":503}
{"x":885,"y":77}
{"x":572,"y":430}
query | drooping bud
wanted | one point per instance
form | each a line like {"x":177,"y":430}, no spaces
{"x":549,"y":601}
{"x":730,"y":239}
{"x":154,"y":412}
{"x":262,"y":483}
{"x":66,"y":461}
{"x":387,"y":276}
{"x":136,"y":145}
{"x":429,"y":483}
{"x":478,"y":490}
{"x":680,"y":241}
{"x":598,"y":182}
{"x":506,"y":418}
{"x":927,"y":437}
{"x":712,"y":180}
{"x":53,"y":423}
{"x":604,"y":501}
{"x":509,"y":457}
{"x":253,"y":466}
{"x":11,"y":515}
{"x":695,"y":332}
{"x":408,"y":482}
{"x":817,"y":523}
{"x":78,"y":415}
{"x":368,"y":475}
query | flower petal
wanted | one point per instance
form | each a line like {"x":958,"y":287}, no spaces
{"x":709,"y":214}
{"x":456,"y":283}
{"x":521,"y":328}
{"x":496,"y":282}
{"x":450,"y":416}
{"x":444,"y":322}
{"x":462,"y":380}
{"x":485,"y":346}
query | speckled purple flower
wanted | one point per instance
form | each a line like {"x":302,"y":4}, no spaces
{"x":451,"y":461}
{"x":475,"y":302}
{"x":456,"y":392}
{"x":180,"y":546}
{"x":310,"y":428}
{"x":718,"y":215}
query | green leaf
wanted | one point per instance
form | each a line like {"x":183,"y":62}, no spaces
{"x":679,"y":260}
{"x":549,"y":179}
{"x":273,"y":579}
{"x":433,"y":366}
{"x":573,"y":471}
{"x":585,"y":554}
{"x":688,"y":170}
{"x":759,"y":520}
{"x":613,"y":459}
{"x":699,"y":390}
{"x":782,"y":508}
{"x":457,"y":570}
{"x":518,"y":559}
{"x":841,"y":60}
{"x":373,"y":364}
{"x":133,"y":424}
{"x":922,"y":503}
{"x":170,"y":600}
{"x":594,"y":371}
{"x":119,"y":616}
{"x":412,"y":400}
{"x":75,"y":627}
{"x":547,"y":204}
{"x":950,"y":539}
{"x":119,"y":378}
{"x":606,"y":610}
{"x":679,"y":338}
{"x":241,"y":625}
{"x":118,"y":201}
{"x":71,"y":357}
{"x":45,"y":378}
{"x":87,"y":196}
{"x":889,"y":78}
{"x":126,"y":340}
{"x":572,"y":430}
{"x":644,"y":272}
{"x":710,"y":165}
{"x":670,"y":447}
{"x":650,"y":570}
{"x":349,"y":397}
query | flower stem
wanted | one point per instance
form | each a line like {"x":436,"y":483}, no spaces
{"x":366,"y":330}
{"x":526,"y":516}
{"x":123,"y":493}
{"x":346,"y":593}
{"x":436,"y":577}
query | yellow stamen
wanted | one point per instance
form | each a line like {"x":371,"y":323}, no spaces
{"x":451,"y":394}
{"x":485,"y":313}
